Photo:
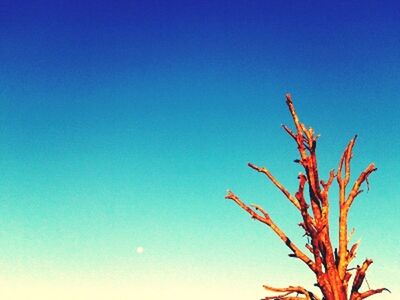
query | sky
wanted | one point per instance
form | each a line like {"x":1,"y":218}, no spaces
{"x":123,"y":123}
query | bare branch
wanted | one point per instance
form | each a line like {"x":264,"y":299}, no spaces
{"x":268,"y":221}
{"x":345,"y":204}
{"x":345,"y":160}
{"x":289,"y":131}
{"x":299,"y":127}
{"x":356,"y":187}
{"x":352,"y":252}
{"x":360,"y":275}
{"x":290,"y":290}
{"x":344,"y":208}
{"x":308,"y":223}
{"x":346,"y":279}
{"x":259,"y":208}
{"x":253,"y":214}
{"x":373,"y":292}
{"x":285,"y":296}
{"x":276,"y":183}
{"x":349,"y":155}
{"x":328,"y":184}
{"x":309,"y":247}
{"x":306,"y":142}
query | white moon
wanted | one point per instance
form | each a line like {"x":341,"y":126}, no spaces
{"x":139,"y":250}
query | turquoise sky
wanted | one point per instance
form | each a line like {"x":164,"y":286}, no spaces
{"x":123,"y":123}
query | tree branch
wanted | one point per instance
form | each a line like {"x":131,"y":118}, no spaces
{"x":290,"y":290}
{"x":309,"y":224}
{"x":373,"y":292}
{"x":343,"y":241}
{"x":344,"y":256}
{"x":268,"y":221}
{"x":349,"y":156}
{"x":356,"y":187}
{"x":352,"y":252}
{"x":360,"y":275}
{"x":306,"y":142}
{"x":327,"y":185}
{"x":345,"y":160}
{"x":289,"y":131}
{"x":299,"y":127}
{"x":276,"y":183}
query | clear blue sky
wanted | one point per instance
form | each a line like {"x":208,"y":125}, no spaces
{"x":123,"y":123}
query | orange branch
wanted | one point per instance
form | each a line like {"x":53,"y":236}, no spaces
{"x":373,"y":292}
{"x":268,"y":221}
{"x":356,"y":187}
{"x":276,"y":183}
{"x":290,"y":290}
{"x":359,"y":278}
{"x":344,"y":255}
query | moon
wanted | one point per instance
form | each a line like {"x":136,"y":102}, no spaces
{"x":139,"y":250}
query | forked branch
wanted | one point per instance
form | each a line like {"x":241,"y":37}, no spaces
{"x":288,"y":291}
{"x":355,"y":191}
{"x":358,"y":281}
{"x":306,"y":144}
{"x":266,"y":219}
{"x":276,"y":183}
{"x":360,"y":275}
{"x":346,"y":255}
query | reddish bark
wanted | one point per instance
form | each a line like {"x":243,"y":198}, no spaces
{"x":330,"y":266}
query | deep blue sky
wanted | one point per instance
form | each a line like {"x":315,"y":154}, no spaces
{"x":122,"y":124}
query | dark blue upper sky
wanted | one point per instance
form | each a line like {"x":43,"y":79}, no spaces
{"x":85,"y":40}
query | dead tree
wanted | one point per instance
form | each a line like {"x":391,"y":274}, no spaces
{"x":330,"y":265}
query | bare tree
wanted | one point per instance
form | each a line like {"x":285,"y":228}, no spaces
{"x":330,"y":265}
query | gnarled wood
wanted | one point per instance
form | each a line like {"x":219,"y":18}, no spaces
{"x":330,"y":266}
{"x":286,"y":293}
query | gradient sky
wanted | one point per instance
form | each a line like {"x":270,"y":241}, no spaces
{"x":123,"y":123}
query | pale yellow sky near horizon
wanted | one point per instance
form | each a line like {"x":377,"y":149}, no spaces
{"x":20,"y":290}
{"x":32,"y":289}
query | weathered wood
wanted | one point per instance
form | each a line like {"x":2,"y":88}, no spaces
{"x":331,"y":267}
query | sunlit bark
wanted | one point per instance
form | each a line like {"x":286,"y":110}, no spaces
{"x":330,"y":265}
